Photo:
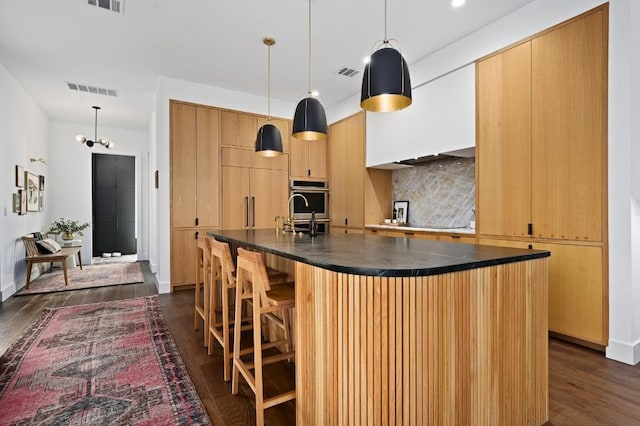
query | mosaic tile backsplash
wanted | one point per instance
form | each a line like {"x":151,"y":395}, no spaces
{"x":441,"y":194}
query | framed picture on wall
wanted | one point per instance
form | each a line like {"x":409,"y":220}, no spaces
{"x":19,"y":176}
{"x":32,"y":187}
{"x":401,"y":210}
{"x":16,"y":202}
{"x":41,"y":178}
{"x":41,"y":201}
{"x":23,"y":201}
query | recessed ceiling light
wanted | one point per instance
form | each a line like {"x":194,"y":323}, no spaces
{"x":457,"y":3}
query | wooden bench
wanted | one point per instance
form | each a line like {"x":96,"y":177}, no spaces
{"x":34,"y":256}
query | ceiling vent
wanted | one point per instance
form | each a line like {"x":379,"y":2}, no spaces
{"x":347,"y":71}
{"x":91,"y":89}
{"x":112,"y":5}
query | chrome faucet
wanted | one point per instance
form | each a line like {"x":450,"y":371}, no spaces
{"x":289,"y":225}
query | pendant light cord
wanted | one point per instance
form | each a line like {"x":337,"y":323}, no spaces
{"x":309,"y":47}
{"x":269,"y":84}
{"x":386,"y":40}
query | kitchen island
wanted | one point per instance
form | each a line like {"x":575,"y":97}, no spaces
{"x":401,"y":331}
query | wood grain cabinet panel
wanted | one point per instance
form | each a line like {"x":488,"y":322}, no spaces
{"x":183,"y":160}
{"x":308,"y":159}
{"x":347,"y":171}
{"x":568,"y":130}
{"x":239,"y":129}
{"x":504,"y":142}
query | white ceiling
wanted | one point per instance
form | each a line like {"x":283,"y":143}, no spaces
{"x":216,"y":42}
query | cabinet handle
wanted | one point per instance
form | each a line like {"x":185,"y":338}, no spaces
{"x":530,"y":228}
{"x":197,"y":221}
{"x":346,"y":221}
{"x":455,"y":236}
{"x":530,"y":246}
{"x":246,"y":212}
{"x":253,"y":210}
{"x":409,"y":233}
{"x":308,"y":172}
{"x":197,"y":235}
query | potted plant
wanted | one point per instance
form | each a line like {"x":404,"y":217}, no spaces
{"x":67,"y":228}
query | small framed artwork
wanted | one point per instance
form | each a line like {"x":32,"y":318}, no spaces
{"x":41,"y":201}
{"x":16,"y":202}
{"x":157,"y":179}
{"x":19,"y":176}
{"x":401,"y":209}
{"x":23,"y":201}
{"x":32,"y":187}
{"x":41,"y":178}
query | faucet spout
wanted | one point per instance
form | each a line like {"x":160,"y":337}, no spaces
{"x":289,"y":225}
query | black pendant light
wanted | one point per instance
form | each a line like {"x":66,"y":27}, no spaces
{"x":102,"y":141}
{"x":310,"y":120}
{"x":386,"y":85}
{"x":269,"y":140}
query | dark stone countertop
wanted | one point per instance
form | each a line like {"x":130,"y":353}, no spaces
{"x":375,"y":255}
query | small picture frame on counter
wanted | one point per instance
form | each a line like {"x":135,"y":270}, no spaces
{"x":401,"y":211}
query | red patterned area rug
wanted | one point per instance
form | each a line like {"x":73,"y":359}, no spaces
{"x":90,"y":276}
{"x":99,"y":364}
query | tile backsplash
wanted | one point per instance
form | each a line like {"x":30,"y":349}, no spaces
{"x":441,"y":194}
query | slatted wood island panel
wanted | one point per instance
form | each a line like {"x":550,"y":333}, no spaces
{"x":391,"y":331}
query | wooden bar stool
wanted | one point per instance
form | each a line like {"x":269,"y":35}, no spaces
{"x":253,"y":283}
{"x":223,"y":272}
{"x":204,"y":279}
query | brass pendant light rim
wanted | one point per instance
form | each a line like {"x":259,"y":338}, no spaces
{"x":309,"y":135}
{"x":386,"y":102}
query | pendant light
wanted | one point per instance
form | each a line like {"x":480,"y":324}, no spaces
{"x":268,"y":140}
{"x":102,"y":141}
{"x":386,"y":85}
{"x":310,"y":120}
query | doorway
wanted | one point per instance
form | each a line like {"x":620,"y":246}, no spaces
{"x":114,"y":204}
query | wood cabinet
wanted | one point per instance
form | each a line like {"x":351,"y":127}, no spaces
{"x":541,"y":135}
{"x":541,"y":163}
{"x":195,"y":199}
{"x":238,"y":129}
{"x":252,"y":194}
{"x":308,"y":159}
{"x":347,"y":171}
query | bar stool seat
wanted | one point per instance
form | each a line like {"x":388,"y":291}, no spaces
{"x":223,"y":273}
{"x":204,"y":279}
{"x":253,"y":283}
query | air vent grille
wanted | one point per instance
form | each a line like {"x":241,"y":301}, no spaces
{"x":347,"y":71}
{"x":112,"y":5}
{"x":91,"y":89}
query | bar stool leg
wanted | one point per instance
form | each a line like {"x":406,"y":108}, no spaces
{"x":237,"y":330}
{"x":199,"y":262}
{"x":257,"y":358}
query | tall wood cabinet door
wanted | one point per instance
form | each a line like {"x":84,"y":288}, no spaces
{"x":238,"y":129}
{"x":208,"y":167}
{"x":299,"y":158}
{"x":503,"y":153}
{"x":183,"y":165}
{"x":235,"y":197}
{"x":268,"y":197}
{"x":355,"y":169}
{"x":339,"y":190}
{"x":183,"y":256}
{"x":317,"y":159}
{"x":577,"y":299}
{"x":569,"y":131}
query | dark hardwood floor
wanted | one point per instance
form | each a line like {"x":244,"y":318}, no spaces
{"x":585,"y":388}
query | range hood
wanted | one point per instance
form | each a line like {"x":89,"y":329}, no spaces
{"x":417,"y":161}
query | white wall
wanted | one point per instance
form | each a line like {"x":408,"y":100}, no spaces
{"x":169,"y":88}
{"x":24,"y":131}
{"x":69,"y":180}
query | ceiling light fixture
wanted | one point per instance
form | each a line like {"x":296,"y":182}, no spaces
{"x":386,"y":85}
{"x":102,"y":141}
{"x":269,"y":140}
{"x":310,"y":120}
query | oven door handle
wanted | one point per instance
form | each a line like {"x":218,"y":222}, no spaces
{"x":308,"y":189}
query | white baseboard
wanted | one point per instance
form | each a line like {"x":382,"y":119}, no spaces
{"x":153,"y":266}
{"x":164,"y":287}
{"x":8,"y":291}
{"x":629,"y":353}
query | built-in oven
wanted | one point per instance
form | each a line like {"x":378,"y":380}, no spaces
{"x":317,"y":195}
